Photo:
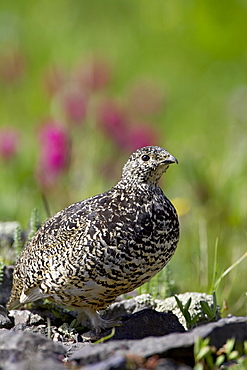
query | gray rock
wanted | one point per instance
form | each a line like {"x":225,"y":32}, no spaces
{"x":7,"y":231}
{"x":20,"y":350}
{"x":113,"y":363}
{"x":175,"y":346}
{"x":5,"y":321}
{"x":91,"y":353}
{"x":218,"y":332}
{"x":15,"y":363}
{"x":129,"y":306}
{"x":26,"y":317}
{"x":118,"y":362}
{"x":6,"y":284}
{"x":194,"y":310}
{"x":168,"y":364}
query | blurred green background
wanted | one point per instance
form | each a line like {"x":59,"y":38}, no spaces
{"x":118,"y":74}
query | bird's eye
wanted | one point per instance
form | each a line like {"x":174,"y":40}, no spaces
{"x":145,"y":157}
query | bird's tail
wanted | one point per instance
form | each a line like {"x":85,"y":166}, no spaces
{"x":14,"y":300}
{"x":13,"y":303}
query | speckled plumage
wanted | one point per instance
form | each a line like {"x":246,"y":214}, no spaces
{"x":94,"y":250}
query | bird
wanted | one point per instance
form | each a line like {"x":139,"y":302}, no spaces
{"x":97,"y":249}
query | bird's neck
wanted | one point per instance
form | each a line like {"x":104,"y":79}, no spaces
{"x":136,"y":184}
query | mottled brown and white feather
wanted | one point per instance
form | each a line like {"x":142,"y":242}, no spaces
{"x":94,"y":250}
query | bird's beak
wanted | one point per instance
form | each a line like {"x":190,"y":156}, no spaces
{"x":170,"y":159}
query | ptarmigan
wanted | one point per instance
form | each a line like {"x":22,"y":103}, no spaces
{"x":95,"y":250}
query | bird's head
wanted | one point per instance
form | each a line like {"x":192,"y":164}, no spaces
{"x":147,"y":165}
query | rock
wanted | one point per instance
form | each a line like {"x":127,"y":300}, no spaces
{"x":27,"y":350}
{"x":117,"y":362}
{"x":5,"y":321}
{"x":57,"y":315}
{"x":129,"y":306}
{"x":150,"y":337}
{"x":147,"y":323}
{"x":26,"y":317}
{"x":7,"y":231}
{"x":176,"y":346}
{"x":194,"y":309}
{"x":6,"y":284}
{"x":167,"y":364}
{"x":114,"y":362}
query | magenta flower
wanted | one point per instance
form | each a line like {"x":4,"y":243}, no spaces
{"x":9,"y":142}
{"x":125,"y":134}
{"x":74,"y":104}
{"x":54,"y":152}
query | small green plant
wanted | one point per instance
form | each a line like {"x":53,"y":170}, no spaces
{"x":49,"y":327}
{"x":216,"y":279}
{"x":160,"y":286}
{"x":210,"y":311}
{"x":203,"y":354}
{"x":18,"y":241}
{"x":101,"y":340}
{"x":67,"y":329}
{"x":168,"y":282}
{"x":18,"y":234}
{"x":227,"y":353}
{"x":1,"y":271}
{"x":70,"y":329}
{"x":34,"y":223}
{"x":185,"y":311}
{"x":208,"y":357}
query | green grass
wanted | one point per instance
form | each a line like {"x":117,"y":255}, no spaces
{"x":196,"y":53}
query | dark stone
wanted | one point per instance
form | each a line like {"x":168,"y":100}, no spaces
{"x":5,"y":321}
{"x":113,"y":363}
{"x":20,"y":350}
{"x":91,"y":353}
{"x":148,"y":323}
{"x":6,"y":284}
{"x":128,"y":306}
{"x":16,"y":363}
{"x":177,"y":346}
{"x":168,"y":364}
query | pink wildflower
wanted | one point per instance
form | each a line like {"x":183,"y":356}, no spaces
{"x":125,"y":134}
{"x":9,"y":141}
{"x":54,"y":152}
